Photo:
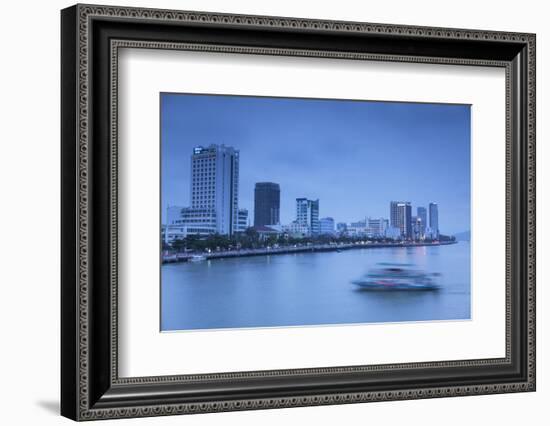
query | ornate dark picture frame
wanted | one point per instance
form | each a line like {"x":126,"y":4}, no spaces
{"x":91,"y":36}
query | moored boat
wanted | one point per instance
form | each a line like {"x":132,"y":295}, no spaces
{"x":169,"y":258}
{"x":197,"y":258}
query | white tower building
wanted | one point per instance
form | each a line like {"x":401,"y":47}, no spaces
{"x":214,"y":195}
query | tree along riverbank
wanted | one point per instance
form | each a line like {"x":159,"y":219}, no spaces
{"x":185,"y":257}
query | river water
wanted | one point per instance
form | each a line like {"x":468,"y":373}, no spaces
{"x":310,"y":289}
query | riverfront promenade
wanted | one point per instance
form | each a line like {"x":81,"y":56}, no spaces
{"x":184,"y":257}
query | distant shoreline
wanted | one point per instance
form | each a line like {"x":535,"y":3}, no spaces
{"x":314,"y":248}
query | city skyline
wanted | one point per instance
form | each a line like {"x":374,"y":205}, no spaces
{"x":400,"y":223}
{"x":429,"y":168}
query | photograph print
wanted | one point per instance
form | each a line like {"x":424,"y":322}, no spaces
{"x":294,"y":212}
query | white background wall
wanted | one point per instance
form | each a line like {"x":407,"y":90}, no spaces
{"x":29,"y":214}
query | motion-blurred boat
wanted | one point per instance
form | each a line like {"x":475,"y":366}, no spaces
{"x":397,"y":277}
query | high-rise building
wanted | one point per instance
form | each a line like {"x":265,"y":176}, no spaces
{"x":394,"y":214}
{"x":407,"y":214}
{"x":400,"y":217}
{"x":215,"y":188}
{"x":307,"y":214}
{"x":434,"y":219}
{"x":326,"y":225}
{"x":422,"y":215}
{"x":267,"y":203}
{"x":416,"y":228}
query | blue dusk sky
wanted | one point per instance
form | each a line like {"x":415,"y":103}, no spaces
{"x":354,"y":156}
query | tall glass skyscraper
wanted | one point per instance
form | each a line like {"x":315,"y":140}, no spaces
{"x":307,"y":214}
{"x":423,"y":216}
{"x":267,"y":203}
{"x":434,"y":218}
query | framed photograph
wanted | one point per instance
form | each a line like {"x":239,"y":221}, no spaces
{"x":263,"y":212}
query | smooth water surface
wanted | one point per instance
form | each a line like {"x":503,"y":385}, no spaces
{"x":310,"y":289}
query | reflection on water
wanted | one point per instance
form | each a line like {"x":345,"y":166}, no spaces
{"x":311,"y":289}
